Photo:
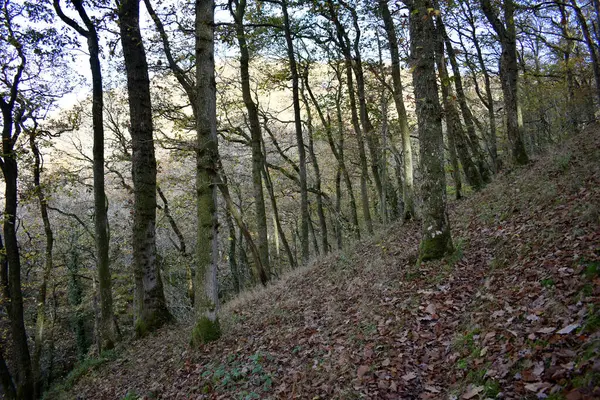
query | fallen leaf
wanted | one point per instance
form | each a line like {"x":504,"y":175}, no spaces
{"x":568,"y":329}
{"x":410,"y":376}
{"x":362,"y":370}
{"x":430,"y":309}
{"x":539,"y":369}
{"x":432,"y":389}
{"x":474,"y":391}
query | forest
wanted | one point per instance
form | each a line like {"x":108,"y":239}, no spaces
{"x":164,"y":159}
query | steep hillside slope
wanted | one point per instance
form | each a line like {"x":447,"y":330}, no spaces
{"x":514,"y":313}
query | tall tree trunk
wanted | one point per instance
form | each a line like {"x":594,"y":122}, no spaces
{"x":472,"y":138}
{"x":284,"y":241}
{"x":369,"y":131}
{"x":40,"y":323}
{"x":11,"y":118}
{"x":108,"y":328}
{"x":337,"y":224}
{"x":150,"y":305}
{"x":436,"y":241}
{"x":232,"y":256}
{"x":315,"y":164}
{"x":298,"y":128}
{"x":338,"y":152}
{"x":489,"y":103}
{"x":590,"y":45}
{"x":182,"y":248}
{"x":509,"y":74}
{"x":5,"y":378}
{"x":572,"y":110}
{"x":207,"y":251}
{"x":256,"y":138}
{"x":453,"y":125}
{"x":364,"y":176}
{"x":407,"y":162}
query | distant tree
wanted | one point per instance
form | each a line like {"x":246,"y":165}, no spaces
{"x":407,"y":162}
{"x":509,"y":73}
{"x":108,"y":329}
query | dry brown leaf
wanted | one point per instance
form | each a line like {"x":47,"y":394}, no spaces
{"x":362,"y":370}
{"x":474,"y":391}
{"x":410,"y":376}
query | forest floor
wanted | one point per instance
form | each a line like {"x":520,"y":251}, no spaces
{"x":514,"y":313}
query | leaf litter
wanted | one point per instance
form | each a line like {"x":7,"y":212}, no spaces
{"x":514,"y":314}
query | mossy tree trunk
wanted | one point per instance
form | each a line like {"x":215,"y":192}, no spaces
{"x":207,"y":256}
{"x":436,"y":241}
{"x":150,"y":305}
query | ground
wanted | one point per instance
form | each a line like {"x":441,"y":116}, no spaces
{"x":514,"y":313}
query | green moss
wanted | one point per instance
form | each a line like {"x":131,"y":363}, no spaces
{"x":434,"y":248}
{"x":150,"y":322}
{"x":205,"y":331}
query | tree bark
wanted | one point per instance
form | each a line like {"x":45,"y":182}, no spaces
{"x":436,"y":241}
{"x":369,"y":131}
{"x":315,"y":165}
{"x":489,"y":103}
{"x":207,"y":251}
{"x":11,"y":117}
{"x":407,"y":162}
{"x":338,"y":152}
{"x":453,"y":125}
{"x":182,"y":248}
{"x":509,"y":74}
{"x":364,"y":176}
{"x":40,"y":323}
{"x":256,"y":138}
{"x":108,"y":328}
{"x":150,"y":305}
{"x":299,"y":137}
{"x":472,"y":139}
{"x":590,"y":45}
{"x":7,"y":383}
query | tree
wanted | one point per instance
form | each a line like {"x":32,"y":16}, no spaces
{"x":509,"y":74}
{"x":436,"y":241}
{"x":207,"y":299}
{"x":304,"y":221}
{"x":108,"y":329}
{"x":238,"y":15}
{"x":407,"y":162}
{"x":150,"y":305}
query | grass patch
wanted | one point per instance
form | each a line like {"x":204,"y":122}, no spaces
{"x":547,"y":282}
{"x":80,"y":369}
{"x":246,"y":376}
